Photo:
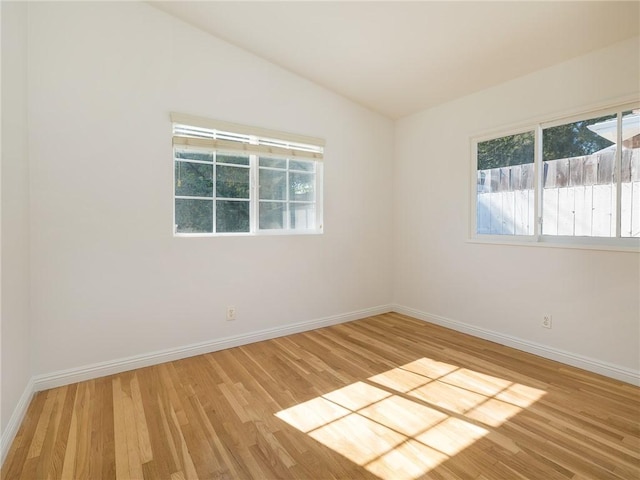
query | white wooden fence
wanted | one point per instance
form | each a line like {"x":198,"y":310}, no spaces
{"x":578,"y":197}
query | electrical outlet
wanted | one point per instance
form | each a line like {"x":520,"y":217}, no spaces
{"x":546,"y":321}
{"x":231,"y":313}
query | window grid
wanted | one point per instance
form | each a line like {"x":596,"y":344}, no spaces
{"x":253,"y":191}
{"x":287,"y":201}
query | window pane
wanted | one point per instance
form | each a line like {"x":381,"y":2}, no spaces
{"x":194,"y":216}
{"x":301,"y":186}
{"x":506,"y":151}
{"x":505,"y":183}
{"x":194,"y":155}
{"x":630,"y":175}
{"x":305,"y":166}
{"x":233,"y":159}
{"x":302,"y":216}
{"x":272,"y":215}
{"x":577,"y":139}
{"x":232,"y":182}
{"x":193,"y":179}
{"x":273,"y":184}
{"x":579,"y":185}
{"x":232,"y":216}
{"x":273,"y":162}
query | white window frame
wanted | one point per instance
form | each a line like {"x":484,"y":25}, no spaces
{"x":616,"y":243}
{"x":254,"y":143}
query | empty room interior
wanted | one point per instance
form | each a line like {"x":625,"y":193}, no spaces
{"x":321,"y":240}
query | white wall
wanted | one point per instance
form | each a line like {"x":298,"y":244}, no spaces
{"x":15,"y":347}
{"x":108,"y":278}
{"x":592,"y":295}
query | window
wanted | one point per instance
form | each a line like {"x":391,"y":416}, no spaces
{"x":233,"y":179}
{"x":579,"y":177}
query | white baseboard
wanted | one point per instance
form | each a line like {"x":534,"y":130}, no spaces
{"x":95,"y":370}
{"x":88,"y":372}
{"x":16,"y":420}
{"x":592,"y":365}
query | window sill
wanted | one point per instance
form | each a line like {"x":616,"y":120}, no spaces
{"x":265,"y":233}
{"x":630,"y":245}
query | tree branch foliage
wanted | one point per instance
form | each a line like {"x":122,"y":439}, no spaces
{"x":564,"y":141}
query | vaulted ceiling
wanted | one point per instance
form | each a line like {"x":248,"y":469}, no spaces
{"x":398,"y":58}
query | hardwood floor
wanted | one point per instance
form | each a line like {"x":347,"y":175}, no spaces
{"x":385,"y":397}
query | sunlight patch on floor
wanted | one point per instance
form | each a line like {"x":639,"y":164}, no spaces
{"x":406,"y":421}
